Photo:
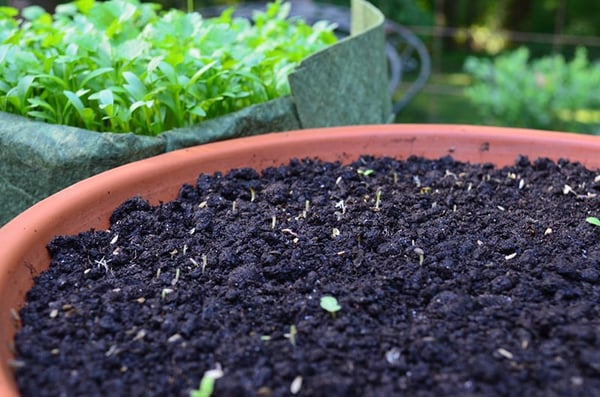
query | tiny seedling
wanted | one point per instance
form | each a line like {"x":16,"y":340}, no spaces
{"x":176,"y":278}
{"x":341,"y":204}
{"x":593,"y":220}
{"x":292,"y":334}
{"x":306,"y":208}
{"x":204,"y":262}
{"x":335,"y":232}
{"x":102,"y":263}
{"x":365,"y":172}
{"x":421,"y":254}
{"x":207,"y":384}
{"x":330,"y":304}
{"x":378,"y":199}
{"x":165,"y":292}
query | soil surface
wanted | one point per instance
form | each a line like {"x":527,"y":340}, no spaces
{"x":453,"y":280}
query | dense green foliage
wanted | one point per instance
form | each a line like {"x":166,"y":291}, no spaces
{"x":547,"y":93}
{"x":125,"y":66}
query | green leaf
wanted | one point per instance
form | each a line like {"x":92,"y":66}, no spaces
{"x":95,"y":74}
{"x":198,"y":111}
{"x":4,"y":51}
{"x":40,"y":103}
{"x":593,"y":220}
{"x":44,"y":116}
{"x":169,"y":72}
{"x":330,"y":304}
{"x":4,"y":87}
{"x":200,"y":72}
{"x":48,"y":79}
{"x":134,"y":86}
{"x":17,"y":96}
{"x":153,"y":64}
{"x":32,"y":13}
{"x":105,"y":98}
{"x":85,"y":5}
{"x":8,"y":11}
{"x":132,"y":49}
{"x":74,"y":100}
{"x":67,"y":9}
{"x":136,"y":105}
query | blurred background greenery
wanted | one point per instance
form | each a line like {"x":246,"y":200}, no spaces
{"x":526,"y":63}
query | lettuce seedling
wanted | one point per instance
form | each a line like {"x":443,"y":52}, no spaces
{"x":593,"y":220}
{"x":330,"y":304}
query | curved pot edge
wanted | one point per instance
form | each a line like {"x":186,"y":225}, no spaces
{"x":30,"y":231}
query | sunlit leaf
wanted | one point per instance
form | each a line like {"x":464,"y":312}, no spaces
{"x":32,"y":13}
{"x":134,"y":86}
{"x":168,"y":71}
{"x":198,"y":111}
{"x":74,"y":100}
{"x":94,"y":74}
{"x":105,"y":98}
{"x":136,"y":105}
{"x":8,"y":11}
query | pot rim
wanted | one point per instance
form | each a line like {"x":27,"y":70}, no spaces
{"x":24,"y":238}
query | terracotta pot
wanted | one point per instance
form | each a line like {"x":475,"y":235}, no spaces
{"x":88,"y":204}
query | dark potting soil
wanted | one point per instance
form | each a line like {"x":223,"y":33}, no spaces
{"x":453,"y":280}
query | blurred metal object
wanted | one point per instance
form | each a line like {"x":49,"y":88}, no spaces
{"x":406,"y":53}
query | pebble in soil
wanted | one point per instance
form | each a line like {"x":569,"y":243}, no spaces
{"x":453,"y":280}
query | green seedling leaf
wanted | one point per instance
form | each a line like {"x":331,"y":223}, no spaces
{"x":200,"y":73}
{"x":8,"y":11}
{"x":207,"y":384}
{"x":330,"y":304}
{"x":134,"y":86}
{"x":105,"y":98}
{"x":32,"y":13}
{"x":84,"y":5}
{"x":74,"y":100}
{"x":95,"y":74}
{"x":44,"y":116}
{"x":198,"y":111}
{"x":4,"y":52}
{"x":133,"y":49}
{"x":17,"y":96}
{"x":86,"y":114}
{"x":53,"y":82}
{"x":136,"y":105}
{"x":593,"y":220}
{"x":44,"y":106}
{"x":169,"y":72}
{"x":153,"y":64}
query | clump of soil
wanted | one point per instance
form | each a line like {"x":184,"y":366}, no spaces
{"x":453,"y":280}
